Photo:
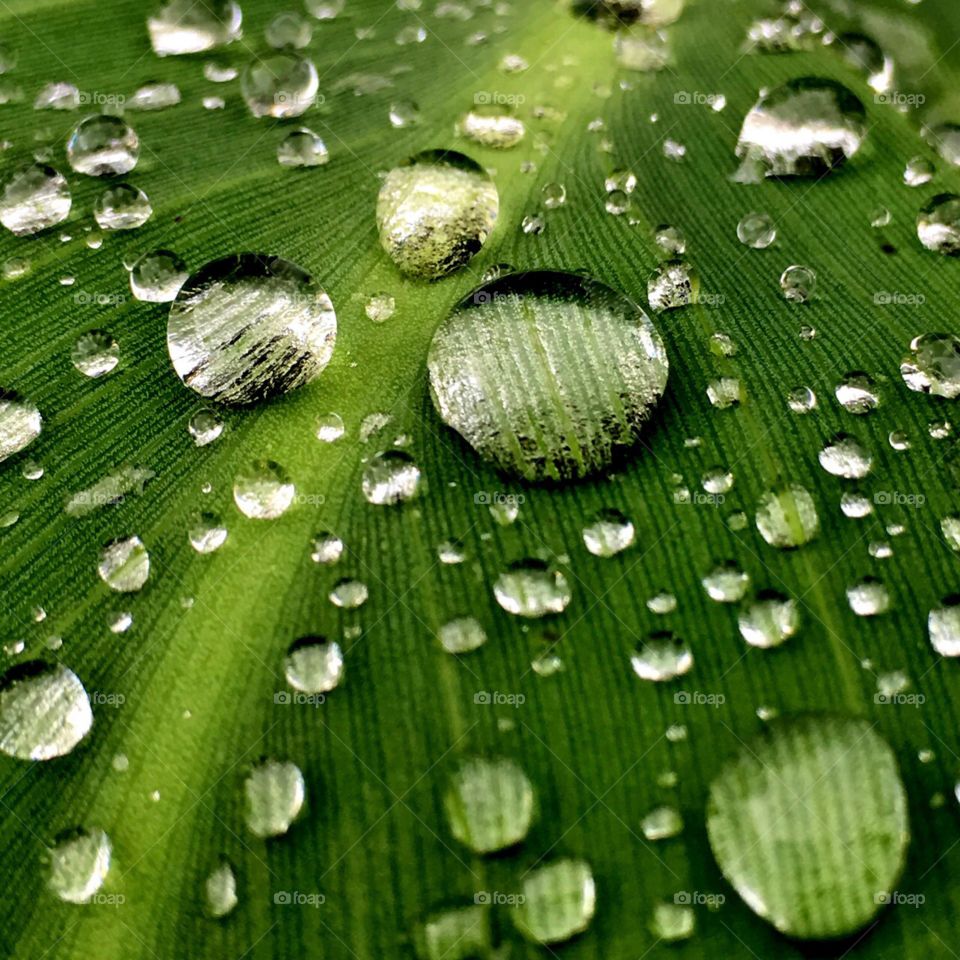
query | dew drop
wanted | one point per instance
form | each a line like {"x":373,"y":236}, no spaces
{"x":275,"y":793}
{"x":662,"y":823}
{"x":122,"y":207}
{"x":263,"y":491}
{"x":349,"y":594}
{"x":124,"y":565}
{"x":34,"y":198}
{"x":532,"y":588}
{"x":205,"y":426}
{"x":662,"y":656}
{"x":844,"y":456}
{"x":557,"y":901}
{"x":314,"y":665}
{"x":220,"y":891}
{"x":608,"y":534}
{"x":185,"y":26}
{"x":943,"y":625}
{"x":103,"y":146}
{"x":787,"y":517}
{"x":798,"y":283}
{"x":206,"y":532}
{"x":391,"y":477}
{"x":462,"y":635}
{"x":868,"y":597}
{"x":756,"y":230}
{"x":157,"y":277}
{"x":20,"y":424}
{"x":933,"y":365}
{"x":327,"y":549}
{"x":938,"y":224}
{"x":95,"y":353}
{"x":79,"y":863}
{"x":281,"y":86}
{"x":288,"y":30}
{"x":769,"y":620}
{"x":726,"y":583}
{"x":857,"y":393}
{"x":673,"y":922}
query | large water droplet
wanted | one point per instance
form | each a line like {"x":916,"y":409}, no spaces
{"x":558,"y":901}
{"x":532,"y":588}
{"x":44,"y":711}
{"x":124,"y":565}
{"x":550,"y":375}
{"x":944,"y":627}
{"x":79,"y":863}
{"x":95,"y":353}
{"x":248,"y":327}
{"x":275,"y":793}
{"x":103,"y":146}
{"x":769,"y":620}
{"x":938,"y":224}
{"x":20,"y":424}
{"x":263,"y":491}
{"x":844,"y":456}
{"x":34,"y":198}
{"x":435,"y":212}
{"x":122,"y":208}
{"x":192,"y":26}
{"x":868,"y":597}
{"x":314,"y":665}
{"x":809,"y":824}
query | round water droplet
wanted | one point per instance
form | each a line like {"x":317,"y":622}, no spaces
{"x":327,"y":548}
{"x":857,"y":393}
{"x":673,"y":922}
{"x":124,"y":565}
{"x":263,"y":491}
{"x":938,"y":225}
{"x":489,"y":804}
{"x":802,"y":400}
{"x":44,"y":711}
{"x":557,"y":901}
{"x":798,"y":283}
{"x":787,"y":517}
{"x":671,"y":240}
{"x":809,"y":824}
{"x":435,"y":212}
{"x":934,"y":365}
{"x":769,"y":620}
{"x":103,"y":146}
{"x":380,"y":307}
{"x":154,"y":96}
{"x":391,"y":477}
{"x":725,"y":393}
{"x":855,"y":505}
{"x":220,"y":891}
{"x":207,"y":532}
{"x":662,"y":823}
{"x":302,"y":148}
{"x":554,"y":196}
{"x":662,"y":603}
{"x":532,"y":588}
{"x":122,"y":208}
{"x":459,"y":933}
{"x":20,"y":424}
{"x":868,"y":597}
{"x":805,"y":127}
{"x":186,"y":26}
{"x":289,"y":30}
{"x":662,"y":656}
{"x":609,"y":533}
{"x":205,"y":426}
{"x":157,"y":277}
{"x":726,"y":583}
{"x":275,"y":793}
{"x":844,"y":456}
{"x":756,"y":230}
{"x":549,"y":375}
{"x":95,"y":353}
{"x":34,"y":198}
{"x":79,"y":863}
{"x":492,"y":128}
{"x":349,"y":594}
{"x":674,"y":284}
{"x":944,"y":627}
{"x":280,"y":86}
{"x":314,"y":665}
{"x":918,"y":171}
{"x":462,"y":635}
{"x":248,"y":327}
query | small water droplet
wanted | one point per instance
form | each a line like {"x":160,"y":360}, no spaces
{"x":769,"y":620}
{"x":302,"y":148}
{"x":103,"y":146}
{"x":662,"y":656}
{"x":124,"y":565}
{"x":391,"y":477}
{"x":79,"y":863}
{"x":275,"y":793}
{"x":557,"y":901}
{"x":868,"y":597}
{"x":608,"y":534}
{"x":532,"y":588}
{"x":263,"y":491}
{"x":756,"y":230}
{"x":34,"y":198}
{"x":798,"y":283}
{"x":787,"y":517}
{"x":157,"y":276}
{"x":314,"y":665}
{"x":95,"y":353}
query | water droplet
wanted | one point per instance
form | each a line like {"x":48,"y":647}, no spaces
{"x":275,"y":793}
{"x":20,"y":424}
{"x":79,"y":863}
{"x":349,"y":594}
{"x":798,"y":283}
{"x":205,"y":426}
{"x":120,"y":622}
{"x":855,"y":505}
{"x":220,"y":891}
{"x":532,"y":588}
{"x":391,"y":477}
{"x":805,"y":127}
{"x":823,"y":872}
{"x":662,"y":603}
{"x":325,"y":9}
{"x":554,"y":195}
{"x":868,"y":597}
{"x":404,"y":113}
{"x":460,"y":933}
{"x":609,"y":533}
{"x":461,"y":635}
{"x":284,"y":85}
{"x":787,"y":517}
{"x":934,"y":365}
{"x":288,"y":30}
{"x":492,"y":128}
{"x":944,"y":627}
{"x":880,"y":217}
{"x":57,"y":96}
{"x":314,"y":665}
{"x":154,"y":96}
{"x":248,"y":327}
{"x":662,"y":656}
{"x":756,"y":230}
{"x":558,"y":901}
{"x":451,"y":552}
{"x":124,"y":565}
{"x":95,"y":353}
{"x":185,"y":26}
{"x":671,"y":240}
{"x":548,"y":416}
{"x":857,"y":393}
{"x":802,"y":400}
{"x":207,"y":532}
{"x":674,"y":284}
{"x":103,"y":146}
{"x":662,"y":823}
{"x":34,"y":198}
{"x":157,"y":277}
{"x":263,"y":491}
{"x":725,"y":393}
{"x":435,"y":212}
{"x":726,"y":583}
{"x":617,"y":202}
{"x":327,"y":548}
{"x":122,"y":207}
{"x":15,"y":267}
{"x":673,"y":922}
{"x":302,"y":148}
{"x":769,"y":620}
{"x":918,"y":171}
{"x":844,"y":456}
{"x":938,"y":224}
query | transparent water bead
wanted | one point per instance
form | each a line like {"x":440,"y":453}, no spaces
{"x":330,"y":428}
{"x":557,"y":901}
{"x":263,"y":491}
{"x":662,"y":823}
{"x":673,"y":284}
{"x":549,"y":375}
{"x":857,"y":393}
{"x":289,"y":30}
{"x":805,"y":127}
{"x":769,"y":620}
{"x":192,"y":26}
{"x":122,"y":207}
{"x":326,"y":9}
{"x":220,"y":891}
{"x":938,"y":224}
{"x":489,"y":804}
{"x":787,"y":517}
{"x":918,"y":171}
{"x":281,"y":86}
{"x":248,"y":327}
{"x":58,"y":95}
{"x":756,"y":230}
{"x":275,"y":792}
{"x":673,"y":922}
{"x":44,"y":711}
{"x":124,"y":564}
{"x":725,"y":393}
{"x":670,"y":239}
{"x":798,"y":283}
{"x":457,"y":933}
{"x":20,"y":424}
{"x":531,"y":589}
{"x":868,"y":597}
{"x":933,"y":365}
{"x":349,"y":594}
{"x":154,"y":96}
{"x":461,"y":635}
{"x":404,"y":113}
{"x":844,"y":456}
{"x":855,"y":505}
{"x":608,"y":534}
{"x":206,"y":532}
{"x":103,"y":146}
{"x":492,"y":128}
{"x":302,"y":148}
{"x":205,"y":426}
{"x":950,"y":528}
{"x":158,"y":276}
{"x":79,"y":864}
{"x":943,"y":625}
{"x":809,"y":824}
{"x":726,"y":582}
{"x":34,"y":198}
{"x":391,"y":477}
{"x":380,"y":307}
{"x":327,"y":548}
{"x":801,"y":400}
{"x":435,"y":212}
{"x":314,"y":665}
{"x":662,"y":656}
{"x":95,"y":353}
